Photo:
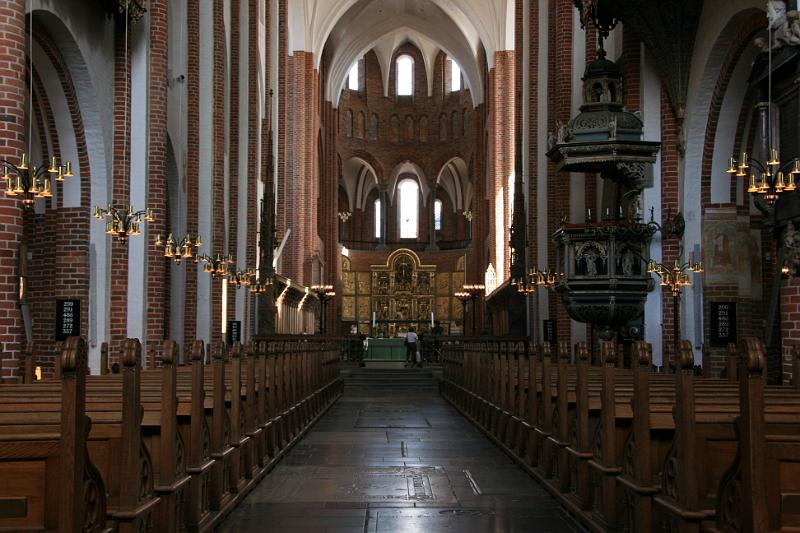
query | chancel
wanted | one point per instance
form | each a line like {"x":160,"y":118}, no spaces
{"x":399,"y":265}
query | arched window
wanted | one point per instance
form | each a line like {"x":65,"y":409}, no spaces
{"x":348,"y":123}
{"x":409,"y":128}
{"x":360,"y":125}
{"x":377,"y":218}
{"x":373,"y":127}
{"x":455,"y":76}
{"x":423,"y":129}
{"x":408,"y":191}
{"x":437,"y":215}
{"x":352,"y":78}
{"x":405,"y":75}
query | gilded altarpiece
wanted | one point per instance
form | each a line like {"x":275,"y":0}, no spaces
{"x":399,"y":294}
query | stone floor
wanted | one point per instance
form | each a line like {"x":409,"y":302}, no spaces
{"x":393,"y":461}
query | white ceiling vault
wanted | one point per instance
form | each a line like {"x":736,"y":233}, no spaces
{"x":350,"y":28}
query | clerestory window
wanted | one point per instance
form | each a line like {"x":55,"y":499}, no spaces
{"x":408,"y":190}
{"x":405,"y":75}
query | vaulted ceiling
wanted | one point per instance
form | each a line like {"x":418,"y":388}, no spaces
{"x":347,"y":29}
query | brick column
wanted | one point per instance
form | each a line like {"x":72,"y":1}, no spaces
{"x":232,"y":212}
{"x":299,"y":197}
{"x":532,"y":147}
{"x":219,"y":244}
{"x":265,"y":303}
{"x":157,"y":266}
{"x":560,"y":109}
{"x":327,"y":219}
{"x":500,"y":158}
{"x":12,"y":145}
{"x":121,"y":189}
{"x":256,"y":126}
{"x":192,"y":164}
{"x":670,"y":161}
{"x":285,"y":138}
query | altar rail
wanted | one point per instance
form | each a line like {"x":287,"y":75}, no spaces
{"x":168,"y":449}
{"x":635,"y":450}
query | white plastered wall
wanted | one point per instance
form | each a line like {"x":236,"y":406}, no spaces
{"x":714,"y":35}
{"x":651,"y":197}
{"x":137,"y":247}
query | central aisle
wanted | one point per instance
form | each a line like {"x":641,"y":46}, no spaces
{"x":392,"y":457}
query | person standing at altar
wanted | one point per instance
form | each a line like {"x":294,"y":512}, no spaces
{"x":411,"y":346}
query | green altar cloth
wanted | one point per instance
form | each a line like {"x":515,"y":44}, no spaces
{"x":386,"y":350}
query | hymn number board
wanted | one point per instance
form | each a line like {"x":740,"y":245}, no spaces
{"x":68,"y":319}
{"x":723,"y":323}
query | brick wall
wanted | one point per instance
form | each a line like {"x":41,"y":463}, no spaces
{"x":790,"y":324}
{"x":12,"y":143}
{"x":424,"y":146}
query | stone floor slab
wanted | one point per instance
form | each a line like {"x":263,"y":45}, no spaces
{"x":389,"y":461}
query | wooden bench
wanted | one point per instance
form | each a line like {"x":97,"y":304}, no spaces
{"x":612,"y":443}
{"x":195,"y":464}
{"x":49,"y":481}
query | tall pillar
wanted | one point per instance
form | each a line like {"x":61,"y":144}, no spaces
{"x":12,"y":145}
{"x":121,"y":186}
{"x":192,"y":163}
{"x":157,"y":267}
{"x":500,"y":158}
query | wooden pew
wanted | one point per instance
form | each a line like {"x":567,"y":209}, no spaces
{"x":49,"y":481}
{"x":115,"y":442}
{"x":185,"y":433}
{"x":760,"y":491}
{"x":622,"y":443}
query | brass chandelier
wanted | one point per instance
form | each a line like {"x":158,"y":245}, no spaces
{"x":185,"y":249}
{"x":534,"y":279}
{"x":123,"y":223}
{"x":218,"y":266}
{"x":770,"y":180}
{"x":676,"y":276}
{"x":31,"y":182}
{"x":241,"y":278}
{"x":259,"y":287}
